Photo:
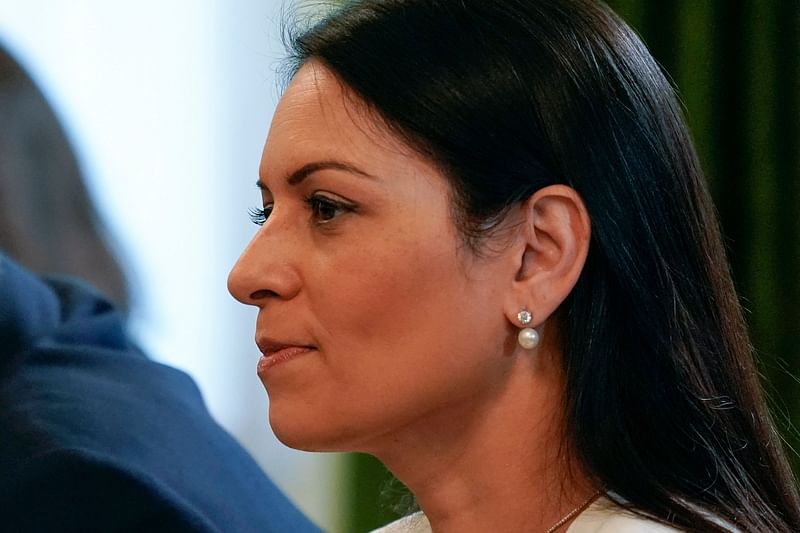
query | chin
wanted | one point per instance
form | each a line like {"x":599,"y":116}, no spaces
{"x":306,"y":434}
{"x":298,"y":440}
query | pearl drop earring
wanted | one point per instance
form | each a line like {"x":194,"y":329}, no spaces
{"x":528,"y":338}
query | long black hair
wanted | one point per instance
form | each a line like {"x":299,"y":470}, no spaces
{"x":664,"y":407}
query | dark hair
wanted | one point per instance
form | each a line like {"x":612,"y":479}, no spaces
{"x":664,"y":407}
{"x":47,"y":221}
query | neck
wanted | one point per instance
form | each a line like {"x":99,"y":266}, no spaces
{"x":497,"y":462}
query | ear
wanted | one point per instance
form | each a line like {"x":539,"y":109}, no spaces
{"x":553,"y":244}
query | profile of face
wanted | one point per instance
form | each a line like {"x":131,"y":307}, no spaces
{"x":374,"y":316}
{"x":360,"y":260}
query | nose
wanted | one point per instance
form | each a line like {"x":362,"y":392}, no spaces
{"x":263,"y":272}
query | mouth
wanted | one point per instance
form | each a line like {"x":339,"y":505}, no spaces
{"x":275,"y":353}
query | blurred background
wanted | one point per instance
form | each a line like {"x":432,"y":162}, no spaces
{"x":167,"y":105}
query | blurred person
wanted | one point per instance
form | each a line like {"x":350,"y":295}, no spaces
{"x":488,"y":257}
{"x":95,"y":436}
{"x":47,"y":220}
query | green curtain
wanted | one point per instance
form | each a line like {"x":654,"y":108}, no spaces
{"x":736,"y":65}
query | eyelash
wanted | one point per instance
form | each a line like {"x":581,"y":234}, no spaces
{"x":260,"y":215}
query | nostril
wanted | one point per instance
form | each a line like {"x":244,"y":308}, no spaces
{"x":261,"y":294}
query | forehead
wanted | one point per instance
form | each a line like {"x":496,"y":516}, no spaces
{"x":319,"y":117}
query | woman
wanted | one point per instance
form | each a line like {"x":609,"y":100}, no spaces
{"x":488,"y":257}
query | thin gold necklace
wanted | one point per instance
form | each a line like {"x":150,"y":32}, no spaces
{"x":574,"y":512}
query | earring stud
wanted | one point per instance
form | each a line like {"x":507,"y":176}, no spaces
{"x":528,"y":338}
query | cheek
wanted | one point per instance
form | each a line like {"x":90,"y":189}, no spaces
{"x":366,"y":303}
{"x":383,"y":294}
{"x":399,"y":340}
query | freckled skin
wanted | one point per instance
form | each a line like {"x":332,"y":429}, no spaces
{"x":386,"y":293}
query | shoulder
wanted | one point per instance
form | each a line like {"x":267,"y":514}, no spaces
{"x":70,"y":369}
{"x":603,"y":516}
{"x":415,"y":523}
{"x":104,"y":497}
{"x":77,"y":380}
{"x":161,"y":461}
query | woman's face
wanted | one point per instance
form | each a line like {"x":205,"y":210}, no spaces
{"x":360,"y":265}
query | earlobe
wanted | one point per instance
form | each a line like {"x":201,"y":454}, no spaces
{"x":554,"y":243}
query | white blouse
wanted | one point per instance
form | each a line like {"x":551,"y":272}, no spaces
{"x":603,"y":516}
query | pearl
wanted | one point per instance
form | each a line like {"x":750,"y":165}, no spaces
{"x":528,"y":338}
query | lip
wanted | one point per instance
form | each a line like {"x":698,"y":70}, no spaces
{"x":275,"y":353}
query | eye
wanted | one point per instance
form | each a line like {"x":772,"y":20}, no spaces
{"x":324,"y":209}
{"x":260,"y":215}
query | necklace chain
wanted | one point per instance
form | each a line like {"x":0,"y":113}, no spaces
{"x":573,"y":512}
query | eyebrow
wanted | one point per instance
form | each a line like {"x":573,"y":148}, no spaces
{"x":297,"y":176}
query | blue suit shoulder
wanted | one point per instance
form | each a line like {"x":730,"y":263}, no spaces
{"x":99,"y":437}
